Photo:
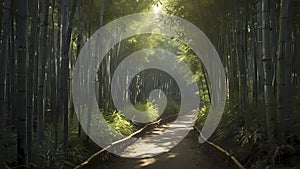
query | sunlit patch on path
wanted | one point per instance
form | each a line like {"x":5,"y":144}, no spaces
{"x":188,"y":154}
{"x":152,"y":144}
{"x":160,"y":140}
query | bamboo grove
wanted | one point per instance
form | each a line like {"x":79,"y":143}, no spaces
{"x":258,"y":43}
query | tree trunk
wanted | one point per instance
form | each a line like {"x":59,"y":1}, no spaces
{"x":53,"y":74}
{"x":101,"y":72}
{"x":254,"y":60}
{"x":79,"y":39}
{"x":12,"y":70}
{"x":288,"y":72}
{"x":64,"y":76}
{"x":42,"y":63}
{"x":268,"y":71}
{"x":233,"y":85}
{"x":33,"y":13}
{"x":3,"y":62}
{"x":59,"y":73}
{"x":243,"y":91}
{"x":21,"y":28}
{"x":259,"y":53}
{"x":67,"y":31}
{"x":280,"y":72}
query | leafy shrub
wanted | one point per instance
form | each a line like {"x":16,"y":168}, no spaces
{"x":147,"y":111}
{"x":249,"y":136}
{"x":230,"y":123}
{"x":119,"y":123}
{"x":7,"y":147}
{"x":46,"y":156}
{"x":172,"y":108}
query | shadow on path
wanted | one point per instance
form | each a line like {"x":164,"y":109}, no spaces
{"x":188,"y":154}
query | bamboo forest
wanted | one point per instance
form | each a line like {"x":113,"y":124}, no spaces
{"x":156,"y":84}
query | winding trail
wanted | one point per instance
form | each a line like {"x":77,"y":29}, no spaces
{"x":188,"y":154}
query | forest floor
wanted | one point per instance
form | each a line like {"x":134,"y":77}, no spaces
{"x":188,"y":154}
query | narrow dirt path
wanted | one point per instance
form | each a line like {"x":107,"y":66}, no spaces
{"x":188,"y":154}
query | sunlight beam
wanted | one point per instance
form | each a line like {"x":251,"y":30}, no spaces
{"x":157,"y":8}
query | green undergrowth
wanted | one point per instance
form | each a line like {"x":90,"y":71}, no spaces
{"x":251,"y":139}
{"x":172,"y":107}
{"x":8,"y":154}
{"x":149,"y":111}
{"x":47,"y":154}
{"x":117,"y":121}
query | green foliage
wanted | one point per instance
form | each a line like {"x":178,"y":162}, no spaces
{"x":216,"y":19}
{"x":117,"y":121}
{"x":249,"y":136}
{"x":147,"y":111}
{"x":230,"y":123}
{"x":172,"y":107}
{"x":202,"y":115}
{"x":7,"y":147}
{"x":151,"y":110}
{"x":45,"y":155}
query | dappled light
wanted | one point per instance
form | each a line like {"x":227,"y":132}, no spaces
{"x":154,"y":84}
{"x":147,"y":161}
{"x":161,"y":141}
